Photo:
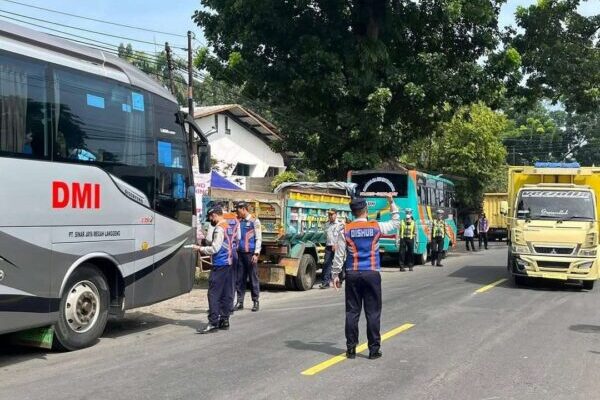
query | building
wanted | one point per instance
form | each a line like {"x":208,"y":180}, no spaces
{"x":240,"y":142}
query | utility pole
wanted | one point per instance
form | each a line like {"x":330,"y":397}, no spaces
{"x":170,"y":67}
{"x":190,"y":90}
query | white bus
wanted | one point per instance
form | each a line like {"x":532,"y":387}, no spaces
{"x":95,"y":202}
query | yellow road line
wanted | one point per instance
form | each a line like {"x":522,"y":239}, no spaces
{"x":490,"y":286}
{"x":359,"y":349}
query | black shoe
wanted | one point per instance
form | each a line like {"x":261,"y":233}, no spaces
{"x":224,"y":324}
{"x":375,"y":355}
{"x":402,"y":269}
{"x":209,"y":329}
{"x":239,"y":306}
{"x":255,"y":307}
{"x":351,"y":353}
{"x":439,"y":265}
{"x":432,"y":263}
{"x":410,"y":268}
{"x":324,"y":286}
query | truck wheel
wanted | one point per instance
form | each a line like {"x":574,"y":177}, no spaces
{"x":307,"y":273}
{"x":588,"y":285}
{"x":83,"y":310}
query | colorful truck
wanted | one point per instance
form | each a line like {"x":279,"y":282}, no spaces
{"x":497,"y":221}
{"x":293,"y":220}
{"x":553,"y":214}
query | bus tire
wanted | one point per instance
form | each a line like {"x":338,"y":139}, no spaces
{"x":83,"y":309}
{"x":420,"y":259}
{"x":307,"y":273}
{"x":588,"y":285}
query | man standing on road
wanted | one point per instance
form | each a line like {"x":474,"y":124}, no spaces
{"x":248,"y":252}
{"x":438,"y":234}
{"x":234,"y":224}
{"x":483,"y":226}
{"x":407,"y":241}
{"x":220,"y":293}
{"x":332,"y":230}
{"x":358,"y":245}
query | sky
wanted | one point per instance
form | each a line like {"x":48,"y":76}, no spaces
{"x":162,"y":15}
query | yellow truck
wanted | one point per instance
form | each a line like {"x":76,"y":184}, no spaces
{"x":498,"y":222}
{"x":552,"y":212}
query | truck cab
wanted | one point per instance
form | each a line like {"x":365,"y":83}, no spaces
{"x":553,"y":229}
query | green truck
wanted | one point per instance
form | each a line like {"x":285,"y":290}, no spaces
{"x":293,"y":226}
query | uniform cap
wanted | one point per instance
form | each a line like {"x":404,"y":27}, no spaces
{"x":332,"y":211}
{"x":241,"y":204}
{"x":215,"y":210}
{"x":440,"y":211}
{"x":358,"y":203}
{"x":408,"y":211}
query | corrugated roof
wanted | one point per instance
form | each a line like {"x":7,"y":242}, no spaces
{"x":266,"y":129}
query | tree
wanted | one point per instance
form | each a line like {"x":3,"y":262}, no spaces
{"x":469,"y":146}
{"x":352,"y":83}
{"x":560,"y":54}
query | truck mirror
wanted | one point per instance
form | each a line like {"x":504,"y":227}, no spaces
{"x":523,"y":213}
{"x":504,"y":207}
{"x":204,"y":158}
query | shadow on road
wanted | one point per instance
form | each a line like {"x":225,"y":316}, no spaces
{"x":319,"y":347}
{"x":481,"y":275}
{"x":582,"y":328}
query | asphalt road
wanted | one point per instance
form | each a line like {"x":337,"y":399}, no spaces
{"x":539,"y":342}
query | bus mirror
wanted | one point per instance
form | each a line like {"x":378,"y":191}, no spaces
{"x":504,"y":207}
{"x":204,"y":158}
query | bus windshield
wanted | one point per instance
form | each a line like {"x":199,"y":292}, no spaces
{"x":555,"y":205}
{"x":380,"y":184}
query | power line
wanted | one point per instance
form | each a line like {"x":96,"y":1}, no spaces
{"x":95,"y":19}
{"x":86,"y":30}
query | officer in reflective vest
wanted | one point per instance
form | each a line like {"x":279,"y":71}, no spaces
{"x":220,"y":289}
{"x":248,"y":252}
{"x":438,"y":234}
{"x":407,"y":241}
{"x":234,"y":225}
{"x":358,"y":250}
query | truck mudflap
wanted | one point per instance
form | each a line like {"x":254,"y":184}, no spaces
{"x":271,"y":274}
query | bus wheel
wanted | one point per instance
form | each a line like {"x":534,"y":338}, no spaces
{"x":420,"y":259}
{"x":307,"y":273}
{"x":588,"y":285}
{"x":83,"y":310}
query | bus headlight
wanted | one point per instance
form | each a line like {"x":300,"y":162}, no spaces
{"x":588,"y":252}
{"x":519,"y":249}
{"x":586,"y":265}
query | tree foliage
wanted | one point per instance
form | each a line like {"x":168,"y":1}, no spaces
{"x":469,"y":146}
{"x":353,"y":83}
{"x":560,"y":54}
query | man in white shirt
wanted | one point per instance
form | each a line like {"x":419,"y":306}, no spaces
{"x":332,"y":231}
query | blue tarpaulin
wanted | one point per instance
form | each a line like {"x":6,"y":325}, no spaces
{"x":220,"y":182}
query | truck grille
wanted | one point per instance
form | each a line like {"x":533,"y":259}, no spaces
{"x":553,"y":250}
{"x":553,"y":264}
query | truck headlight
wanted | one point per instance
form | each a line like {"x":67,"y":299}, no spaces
{"x":521,"y":264}
{"x":519,"y":249}
{"x":588,"y":252}
{"x":586,"y":265}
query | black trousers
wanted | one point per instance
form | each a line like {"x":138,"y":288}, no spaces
{"x":470,"y":240}
{"x":437,"y":248}
{"x":363,"y":290}
{"x":483,"y":237}
{"x":247,"y":270}
{"x":326,"y":275}
{"x":220,"y":294}
{"x":407,"y":247}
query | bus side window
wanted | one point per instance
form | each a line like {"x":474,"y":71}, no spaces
{"x":23,"y":125}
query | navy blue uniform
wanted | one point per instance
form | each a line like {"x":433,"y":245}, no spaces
{"x":220,"y":287}
{"x":246,"y":268}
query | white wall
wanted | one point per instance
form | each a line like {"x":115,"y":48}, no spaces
{"x":241,"y":146}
